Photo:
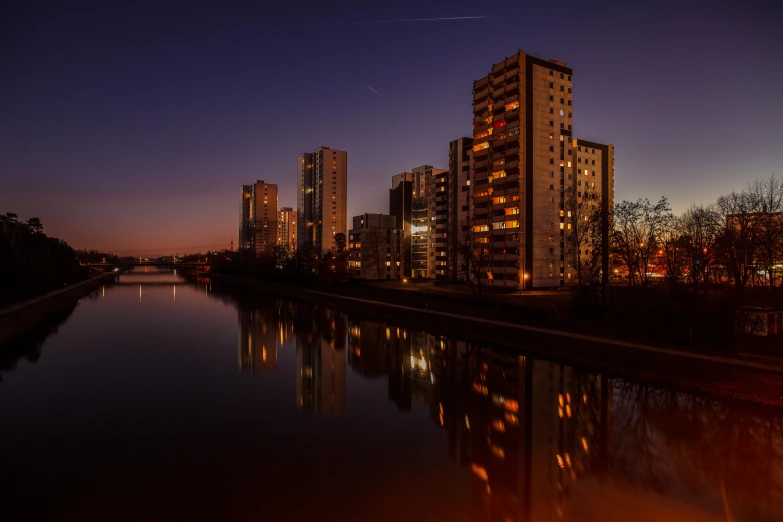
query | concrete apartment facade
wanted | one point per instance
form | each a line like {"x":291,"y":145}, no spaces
{"x":453,"y":209}
{"x":522,"y":161}
{"x":258,"y":217}
{"x":286,"y":228}
{"x":374,"y":247}
{"x":322,"y":197}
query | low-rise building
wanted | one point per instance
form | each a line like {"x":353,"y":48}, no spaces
{"x":375,"y":247}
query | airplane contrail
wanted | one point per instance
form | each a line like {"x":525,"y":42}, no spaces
{"x":425,"y":19}
{"x":373,"y":90}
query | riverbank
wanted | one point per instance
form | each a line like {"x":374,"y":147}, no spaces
{"x":526,"y":332}
{"x":20,"y":318}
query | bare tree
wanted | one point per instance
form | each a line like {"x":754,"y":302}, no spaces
{"x":474,"y":257}
{"x":638,"y":226}
{"x":768,"y":198}
{"x":698,"y":230}
{"x":375,"y":245}
{"x":738,"y":238}
{"x":583,"y":219}
{"x":670,"y":263}
{"x":398,"y":252}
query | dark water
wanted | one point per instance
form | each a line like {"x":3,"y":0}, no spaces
{"x":159,"y":399}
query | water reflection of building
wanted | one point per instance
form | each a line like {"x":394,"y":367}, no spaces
{"x":320,"y":359}
{"x":263,"y":327}
{"x":257,"y":340}
{"x":367,"y":348}
{"x":526,"y":429}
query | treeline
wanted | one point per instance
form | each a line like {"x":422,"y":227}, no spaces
{"x":738,"y":240}
{"x":32,"y":263}
{"x":95,"y":257}
{"x":282,"y":263}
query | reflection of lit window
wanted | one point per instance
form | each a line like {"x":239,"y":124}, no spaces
{"x":498,"y":452}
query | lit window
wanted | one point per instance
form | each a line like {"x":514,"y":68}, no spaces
{"x":562,"y":113}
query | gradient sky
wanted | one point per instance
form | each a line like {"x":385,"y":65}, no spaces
{"x":131,"y":128}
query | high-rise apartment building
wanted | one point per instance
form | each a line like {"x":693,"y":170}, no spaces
{"x":322,"y":192}
{"x":453,"y":209}
{"x":258,"y":217}
{"x":420,"y":182}
{"x":522,"y":161}
{"x":286,"y":228}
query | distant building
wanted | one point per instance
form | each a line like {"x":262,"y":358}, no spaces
{"x":258,"y":217}
{"x":322,"y":191}
{"x":286,"y":228}
{"x":375,"y":247}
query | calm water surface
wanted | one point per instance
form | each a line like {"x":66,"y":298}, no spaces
{"x":159,"y":399}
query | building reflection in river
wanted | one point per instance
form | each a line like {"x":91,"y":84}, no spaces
{"x":320,"y":359}
{"x":543,"y":441}
{"x":257,"y":341}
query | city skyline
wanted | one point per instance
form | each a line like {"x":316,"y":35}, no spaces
{"x":113,"y":149}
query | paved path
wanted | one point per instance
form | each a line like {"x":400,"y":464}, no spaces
{"x":24,"y":304}
{"x":569,"y":335}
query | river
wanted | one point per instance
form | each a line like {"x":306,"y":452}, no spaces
{"x":160,"y":398}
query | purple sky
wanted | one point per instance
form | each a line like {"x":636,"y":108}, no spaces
{"x":131,"y":129}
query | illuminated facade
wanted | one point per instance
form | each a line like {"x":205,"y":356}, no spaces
{"x":286,"y":228}
{"x":522,"y":161}
{"x":322,"y":192}
{"x":258,"y":217}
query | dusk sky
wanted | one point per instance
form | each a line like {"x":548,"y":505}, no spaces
{"x":130,"y":129}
